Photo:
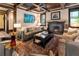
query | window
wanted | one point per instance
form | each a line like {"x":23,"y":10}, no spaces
{"x":43,"y":19}
{"x":74,"y":17}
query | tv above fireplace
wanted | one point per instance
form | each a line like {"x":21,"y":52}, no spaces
{"x":56,"y":27}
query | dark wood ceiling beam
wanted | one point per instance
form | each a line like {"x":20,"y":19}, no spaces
{"x":62,"y":5}
{"x":43,"y":8}
{"x":5,"y":6}
{"x":14,"y":13}
{"x":27,"y":8}
{"x":66,"y":6}
{"x":53,"y":6}
{"x":20,"y":6}
{"x":39,"y":7}
{"x":72,"y":5}
{"x":30,"y":8}
{"x":2,"y":12}
{"x":17,"y":4}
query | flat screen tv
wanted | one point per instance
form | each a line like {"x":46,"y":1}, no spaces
{"x":56,"y":27}
{"x":28,"y":18}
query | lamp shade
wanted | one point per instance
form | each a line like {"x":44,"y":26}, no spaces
{"x":17,"y":25}
{"x":39,"y":24}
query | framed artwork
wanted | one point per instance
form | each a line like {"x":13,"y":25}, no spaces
{"x":29,"y":18}
{"x":43,"y":19}
{"x":55,"y":15}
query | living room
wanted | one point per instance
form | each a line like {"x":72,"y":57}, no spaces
{"x":31,"y":29}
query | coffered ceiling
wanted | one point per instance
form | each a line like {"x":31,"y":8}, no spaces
{"x":38,"y":7}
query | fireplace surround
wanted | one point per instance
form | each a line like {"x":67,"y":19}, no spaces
{"x":56,"y":27}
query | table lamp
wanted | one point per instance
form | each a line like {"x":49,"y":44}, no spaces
{"x":17,"y":25}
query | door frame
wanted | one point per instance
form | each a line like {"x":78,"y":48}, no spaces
{"x":3,"y":29}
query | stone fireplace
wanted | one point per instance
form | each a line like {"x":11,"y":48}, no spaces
{"x":56,"y":27}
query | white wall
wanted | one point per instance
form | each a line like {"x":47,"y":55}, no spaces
{"x":11,"y":20}
{"x":20,"y":18}
{"x":63,"y":15}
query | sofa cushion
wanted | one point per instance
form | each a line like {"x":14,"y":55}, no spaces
{"x":69,"y":37}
